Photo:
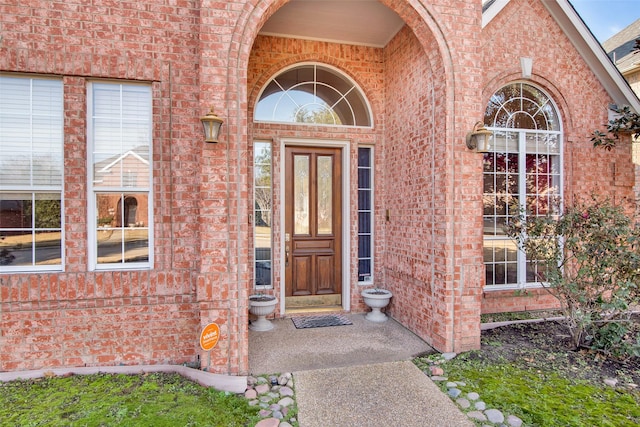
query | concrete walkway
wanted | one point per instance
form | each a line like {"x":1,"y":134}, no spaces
{"x":383,"y":394}
{"x":357,"y":375}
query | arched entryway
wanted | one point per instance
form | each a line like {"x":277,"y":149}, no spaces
{"x":408,"y":153}
{"x":388,"y":159}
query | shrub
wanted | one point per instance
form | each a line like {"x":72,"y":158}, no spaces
{"x":589,"y":259}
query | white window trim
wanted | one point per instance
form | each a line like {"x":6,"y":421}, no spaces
{"x":371,"y":279}
{"x":521,"y":262}
{"x":91,"y":202}
{"x":42,"y":189}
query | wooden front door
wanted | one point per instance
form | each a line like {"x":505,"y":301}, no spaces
{"x":313,"y":226}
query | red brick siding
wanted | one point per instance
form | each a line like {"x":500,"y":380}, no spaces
{"x":102,"y":318}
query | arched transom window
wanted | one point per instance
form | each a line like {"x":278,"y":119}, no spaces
{"x":312,"y":93}
{"x":522,"y":173}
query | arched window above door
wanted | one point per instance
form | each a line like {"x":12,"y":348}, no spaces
{"x":314,"y":94}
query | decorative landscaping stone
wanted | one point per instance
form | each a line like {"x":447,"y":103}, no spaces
{"x":438,"y":378}
{"x":463,"y":403}
{"x":284,"y":378}
{"x":611,"y":382}
{"x":264,"y":392}
{"x":494,"y":416}
{"x":473,"y":396}
{"x":287,"y":401}
{"x":477,"y":415}
{"x":286,"y":391}
{"x":452,"y":385}
{"x":449,"y":356}
{"x":514,"y":421}
{"x":454,"y":392}
{"x":262,"y":388}
{"x":480,"y":405}
{"x":269,"y":422}
{"x":436,"y":370}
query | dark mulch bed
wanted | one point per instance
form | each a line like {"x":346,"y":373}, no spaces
{"x":547,"y":346}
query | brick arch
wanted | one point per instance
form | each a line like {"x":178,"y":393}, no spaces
{"x":416,"y":15}
{"x":430,"y":38}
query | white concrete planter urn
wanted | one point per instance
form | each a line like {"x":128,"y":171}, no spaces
{"x":376,"y":298}
{"x":262,"y":306}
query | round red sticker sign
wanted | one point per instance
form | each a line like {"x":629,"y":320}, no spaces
{"x":209,"y":336}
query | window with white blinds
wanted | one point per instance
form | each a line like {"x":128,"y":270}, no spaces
{"x":31,"y":165}
{"x":120,"y":128}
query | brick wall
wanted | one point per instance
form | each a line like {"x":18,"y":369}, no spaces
{"x":87,"y":318}
{"x":431,"y":188}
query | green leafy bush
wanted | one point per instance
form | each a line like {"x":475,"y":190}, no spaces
{"x":588,"y":258}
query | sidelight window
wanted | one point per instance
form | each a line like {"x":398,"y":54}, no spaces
{"x":365,"y":215}
{"x":262,"y":213}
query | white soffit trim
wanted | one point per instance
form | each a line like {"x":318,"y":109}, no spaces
{"x":493,"y":10}
{"x":592,"y":52}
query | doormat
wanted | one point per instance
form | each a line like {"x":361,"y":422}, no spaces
{"x":305,"y":322}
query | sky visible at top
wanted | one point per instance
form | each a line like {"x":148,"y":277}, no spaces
{"x":607,"y":17}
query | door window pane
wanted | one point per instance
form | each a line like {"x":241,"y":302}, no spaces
{"x":325,"y":194}
{"x":301,"y":194}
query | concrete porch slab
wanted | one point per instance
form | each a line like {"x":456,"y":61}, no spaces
{"x":287,"y":349}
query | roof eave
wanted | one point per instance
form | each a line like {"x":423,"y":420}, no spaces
{"x":592,"y":52}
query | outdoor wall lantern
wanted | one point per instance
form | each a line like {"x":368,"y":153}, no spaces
{"x":479,"y":138}
{"x":211,"y":124}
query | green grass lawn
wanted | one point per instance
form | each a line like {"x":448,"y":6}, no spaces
{"x":542,"y":397}
{"x":120,"y":400}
